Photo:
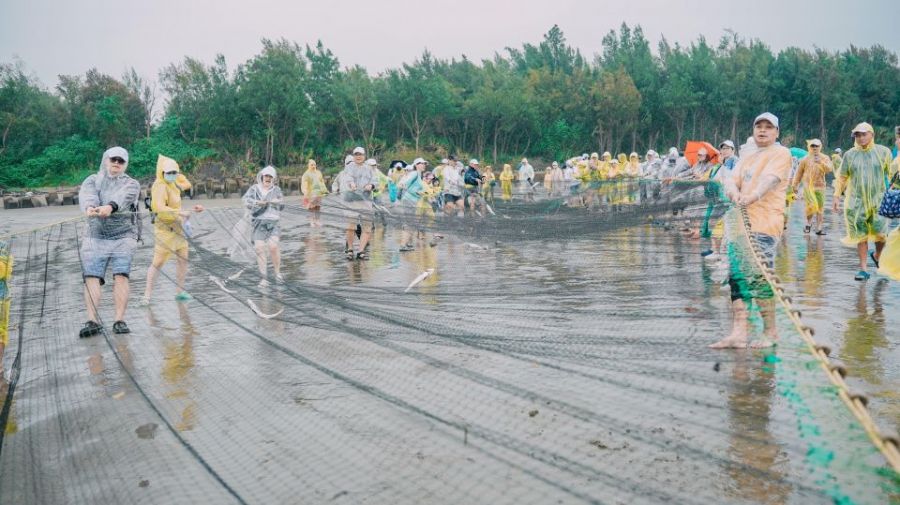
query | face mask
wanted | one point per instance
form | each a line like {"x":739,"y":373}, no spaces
{"x":170,"y":178}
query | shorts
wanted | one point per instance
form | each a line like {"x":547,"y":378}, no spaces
{"x":264,"y":230}
{"x":313,"y":203}
{"x":359,"y":212}
{"x":161,"y":253}
{"x":169,"y":242}
{"x":98,"y":255}
{"x":449,"y":198}
{"x":747,"y":285}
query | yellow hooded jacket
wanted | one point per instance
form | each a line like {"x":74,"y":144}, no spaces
{"x":165,"y":202}
{"x":6,"y":265}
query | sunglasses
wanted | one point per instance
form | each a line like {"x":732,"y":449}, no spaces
{"x":117,"y":160}
{"x":174,"y":172}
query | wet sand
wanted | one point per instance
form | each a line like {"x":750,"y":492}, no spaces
{"x":521,"y":373}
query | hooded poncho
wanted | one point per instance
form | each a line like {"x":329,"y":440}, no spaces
{"x":121,"y":191}
{"x":257,"y":194}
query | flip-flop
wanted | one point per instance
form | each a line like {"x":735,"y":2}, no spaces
{"x":862,"y":275}
{"x":872,"y":255}
{"x":821,"y":232}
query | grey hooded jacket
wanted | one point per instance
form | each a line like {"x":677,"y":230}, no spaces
{"x":122,"y":193}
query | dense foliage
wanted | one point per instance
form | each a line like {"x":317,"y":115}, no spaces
{"x":289,"y":103}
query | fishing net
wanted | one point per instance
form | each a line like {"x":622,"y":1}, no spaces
{"x":556,"y":353}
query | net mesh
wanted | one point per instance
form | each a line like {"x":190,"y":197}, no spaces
{"x":557,"y":353}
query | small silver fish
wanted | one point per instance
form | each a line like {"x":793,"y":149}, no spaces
{"x":218,"y":282}
{"x":422,"y":276}
{"x":259,"y":313}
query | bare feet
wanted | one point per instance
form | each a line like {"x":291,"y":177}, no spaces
{"x":730,"y":342}
{"x":764,"y":343}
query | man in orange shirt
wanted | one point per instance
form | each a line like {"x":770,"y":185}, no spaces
{"x":759,"y":184}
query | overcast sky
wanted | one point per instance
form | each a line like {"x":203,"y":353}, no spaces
{"x":55,"y":37}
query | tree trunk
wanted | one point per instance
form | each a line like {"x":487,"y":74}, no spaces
{"x":822,"y":131}
{"x":734,"y":128}
{"x":496,"y":134}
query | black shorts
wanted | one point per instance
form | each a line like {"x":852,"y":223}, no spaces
{"x":448,"y":198}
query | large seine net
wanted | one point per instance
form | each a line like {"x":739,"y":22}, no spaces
{"x":557,"y":354}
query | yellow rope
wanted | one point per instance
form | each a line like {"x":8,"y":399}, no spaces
{"x":888,"y":445}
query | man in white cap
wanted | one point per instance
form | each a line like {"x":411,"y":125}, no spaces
{"x":108,"y":199}
{"x":356,"y":185}
{"x":862,"y":177}
{"x":759,"y":184}
{"x":811,"y":173}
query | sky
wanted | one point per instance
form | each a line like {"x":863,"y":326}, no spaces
{"x":67,"y":37}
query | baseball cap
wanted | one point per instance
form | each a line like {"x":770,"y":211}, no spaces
{"x":419,"y":160}
{"x":116,"y":152}
{"x":359,"y":150}
{"x":473,"y":161}
{"x":863,"y":127}
{"x":768,"y":116}
{"x":727,"y":143}
{"x":815,"y":143}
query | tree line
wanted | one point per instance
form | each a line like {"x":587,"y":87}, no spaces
{"x":290,"y":102}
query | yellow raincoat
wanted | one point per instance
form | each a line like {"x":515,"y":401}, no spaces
{"x":811,"y":174}
{"x":312,"y":184}
{"x":836,"y":161}
{"x":623,"y":165}
{"x":487,"y":187}
{"x":889,"y":263}
{"x":165,"y":202}
{"x":506,"y":179}
{"x":863,"y":179}
{"x":6,"y":265}
{"x":633,"y":167}
{"x":604,"y":167}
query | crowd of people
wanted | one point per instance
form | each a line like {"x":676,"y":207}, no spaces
{"x":760,"y":177}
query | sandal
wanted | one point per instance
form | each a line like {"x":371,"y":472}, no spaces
{"x":120,"y":327}
{"x":90,"y":329}
{"x":349,"y":254}
{"x":807,"y":228}
{"x":821,"y":232}
{"x":862,"y":275}
{"x":362,"y":255}
{"x":872,"y":255}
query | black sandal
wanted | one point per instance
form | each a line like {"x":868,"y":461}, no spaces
{"x":362,"y":255}
{"x":90,"y":329}
{"x":349,"y":254}
{"x":807,"y":228}
{"x":821,"y":232}
{"x":120,"y":327}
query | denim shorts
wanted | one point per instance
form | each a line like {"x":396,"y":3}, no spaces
{"x":98,"y":255}
{"x":265,"y":229}
{"x":766,"y":245}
